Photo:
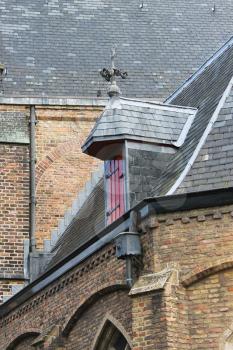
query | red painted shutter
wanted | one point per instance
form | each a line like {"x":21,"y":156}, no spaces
{"x":115,"y":196}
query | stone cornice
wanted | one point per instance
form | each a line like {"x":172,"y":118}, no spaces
{"x":53,"y":101}
{"x":187,"y":217}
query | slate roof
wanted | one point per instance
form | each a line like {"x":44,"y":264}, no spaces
{"x":204,"y":93}
{"x":55,"y":48}
{"x":148,"y":122}
{"x":213,"y":168}
{"x":211,"y":92}
{"x":14,"y":127}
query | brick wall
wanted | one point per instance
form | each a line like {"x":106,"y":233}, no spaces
{"x":25,"y":343}
{"x":116,"y":304}
{"x":210,"y":310}
{"x":61,"y":302}
{"x":14,"y":211}
{"x":192,"y":240}
{"x":199,"y":245}
{"x":62,"y":168}
{"x":61,"y":172}
{"x":192,"y":311}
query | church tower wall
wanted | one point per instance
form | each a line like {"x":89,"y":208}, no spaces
{"x":61,"y":173}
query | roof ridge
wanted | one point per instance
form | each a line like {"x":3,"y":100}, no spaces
{"x":203,"y":139}
{"x":156,"y":103}
{"x":200,"y":70}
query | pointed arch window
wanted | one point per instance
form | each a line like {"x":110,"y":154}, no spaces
{"x":111,"y":339}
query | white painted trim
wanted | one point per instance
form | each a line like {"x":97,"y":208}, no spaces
{"x":185,"y":131}
{"x":155,"y":105}
{"x":200,"y":70}
{"x":202,"y":139}
{"x":54,"y":101}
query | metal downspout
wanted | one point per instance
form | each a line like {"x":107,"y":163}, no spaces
{"x":128,"y":246}
{"x":33,"y":122}
{"x":129,"y":271}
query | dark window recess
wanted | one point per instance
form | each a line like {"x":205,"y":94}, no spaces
{"x":115,"y":196}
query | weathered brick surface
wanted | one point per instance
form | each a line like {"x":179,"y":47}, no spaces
{"x":197,"y":243}
{"x":117,"y":304}
{"x":210,"y":310}
{"x":192,"y":240}
{"x":25,"y":343}
{"x":143,"y":323}
{"x":62,"y":168}
{"x":193,"y":311}
{"x":59,"y":303}
{"x":14,"y":210}
{"x":61,"y":172}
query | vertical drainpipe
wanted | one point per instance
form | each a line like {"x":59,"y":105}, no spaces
{"x":33,"y":121}
{"x":129,"y":263}
{"x":128,"y":246}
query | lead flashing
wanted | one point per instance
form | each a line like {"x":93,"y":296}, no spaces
{"x":185,"y":130}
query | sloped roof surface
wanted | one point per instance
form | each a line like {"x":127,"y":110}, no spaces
{"x":89,"y":221}
{"x":213,"y":167}
{"x":56,"y":48}
{"x":204,"y":93}
{"x":144,"y":121}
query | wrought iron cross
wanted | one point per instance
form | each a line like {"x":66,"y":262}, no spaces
{"x":110,"y":74}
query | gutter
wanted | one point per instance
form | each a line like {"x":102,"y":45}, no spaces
{"x":149,"y":206}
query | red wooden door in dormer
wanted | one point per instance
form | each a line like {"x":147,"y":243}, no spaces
{"x":115,"y":189}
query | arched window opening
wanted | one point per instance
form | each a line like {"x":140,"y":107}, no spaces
{"x":111,"y":339}
{"x":23,"y":342}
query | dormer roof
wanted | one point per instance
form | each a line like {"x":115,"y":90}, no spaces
{"x":129,"y":119}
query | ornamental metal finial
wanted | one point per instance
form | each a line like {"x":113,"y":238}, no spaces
{"x":110,"y":74}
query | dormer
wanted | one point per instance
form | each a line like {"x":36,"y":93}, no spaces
{"x":136,"y":140}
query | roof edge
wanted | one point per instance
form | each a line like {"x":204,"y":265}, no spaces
{"x":118,"y":102}
{"x":200,"y":70}
{"x":159,"y":104}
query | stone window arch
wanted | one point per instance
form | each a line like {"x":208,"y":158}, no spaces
{"x":226,"y":341}
{"x":23,"y":341}
{"x":229,"y":343}
{"x":111,"y":337}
